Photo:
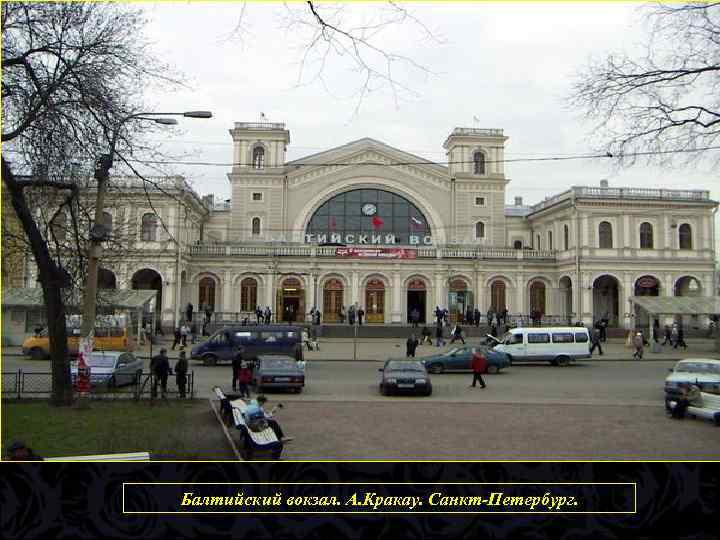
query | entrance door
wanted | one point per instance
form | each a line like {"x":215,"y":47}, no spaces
{"x":332,"y":300}
{"x":291,"y":301}
{"x":416,"y":298}
{"x":375,"y":301}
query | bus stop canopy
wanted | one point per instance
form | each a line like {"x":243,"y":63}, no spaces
{"x":678,"y":305}
{"x":129,"y":299}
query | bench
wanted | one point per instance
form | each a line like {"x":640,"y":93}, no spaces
{"x":707,"y":406}
{"x":131,"y":456}
{"x":238,"y":407}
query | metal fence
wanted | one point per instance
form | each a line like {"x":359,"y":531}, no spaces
{"x":32,"y":384}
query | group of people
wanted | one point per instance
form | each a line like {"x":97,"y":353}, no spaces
{"x":160,"y":370}
{"x":263,"y":316}
{"x":355,"y":313}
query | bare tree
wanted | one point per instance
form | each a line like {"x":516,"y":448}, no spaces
{"x":71,"y":71}
{"x":663,"y":106}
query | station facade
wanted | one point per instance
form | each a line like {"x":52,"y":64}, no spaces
{"x":368,"y":224}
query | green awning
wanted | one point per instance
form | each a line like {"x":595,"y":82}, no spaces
{"x":112,"y":298}
{"x":678,"y":305}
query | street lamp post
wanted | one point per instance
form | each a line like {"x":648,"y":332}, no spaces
{"x":98,"y":232}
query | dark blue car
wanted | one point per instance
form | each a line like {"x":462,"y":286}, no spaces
{"x":460,"y":359}
{"x":255,"y":340}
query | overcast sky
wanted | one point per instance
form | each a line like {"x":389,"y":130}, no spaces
{"x":510,"y":65}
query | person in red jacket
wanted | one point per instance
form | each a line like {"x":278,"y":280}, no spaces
{"x":479,"y":365}
{"x":244,"y":378}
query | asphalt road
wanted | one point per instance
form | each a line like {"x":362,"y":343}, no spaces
{"x":585,"y":383}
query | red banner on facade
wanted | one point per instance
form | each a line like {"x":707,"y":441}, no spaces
{"x":377,"y":253}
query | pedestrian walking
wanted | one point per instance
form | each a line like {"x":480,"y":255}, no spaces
{"x":490,"y":316}
{"x":415,"y":317}
{"x":479,"y":366}
{"x":439,"y":339}
{"x":189,"y":312}
{"x":656,"y":331}
{"x":181,"y":368}
{"x":360,"y":315}
{"x":351,"y":315}
{"x":258,"y":315}
{"x":236,"y":366}
{"x":680,"y":338}
{"x":184,"y":331}
{"x":476,"y":317}
{"x":668,"y":335}
{"x":411,"y":344}
{"x":596,"y":339}
{"x":341,"y":314}
{"x":457,"y":334}
{"x":244,"y":378}
{"x":193,"y":332}
{"x":426,"y":336}
{"x":160,"y":369}
{"x":177,"y":338}
{"x":639,"y":344}
{"x":267,"y":315}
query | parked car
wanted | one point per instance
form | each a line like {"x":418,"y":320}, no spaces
{"x":256,"y":340}
{"x":399,"y":376}
{"x":460,"y":359}
{"x":278,"y":371}
{"x":701,"y":372}
{"x":558,"y":345}
{"x":110,"y":368}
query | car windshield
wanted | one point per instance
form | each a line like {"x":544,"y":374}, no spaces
{"x":404,"y":365}
{"x":698,"y":367}
{"x":279,"y":363}
{"x":100,"y":360}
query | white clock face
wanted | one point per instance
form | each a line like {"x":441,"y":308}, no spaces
{"x":369,"y":209}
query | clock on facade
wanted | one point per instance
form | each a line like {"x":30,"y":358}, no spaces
{"x":369,"y":209}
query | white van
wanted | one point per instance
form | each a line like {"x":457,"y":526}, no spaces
{"x":558,"y":345}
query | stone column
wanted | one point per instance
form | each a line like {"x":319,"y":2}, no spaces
{"x":624,"y":306}
{"x":228,"y":303}
{"x":354,"y":287}
{"x":480,"y":292}
{"x":396,"y":307}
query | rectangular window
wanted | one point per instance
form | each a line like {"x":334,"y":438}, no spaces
{"x":538,"y":338}
{"x":581,"y":337}
{"x":564,"y":337}
{"x":479,"y":201}
{"x":257,"y":196}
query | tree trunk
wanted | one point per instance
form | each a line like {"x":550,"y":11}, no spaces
{"x":52,"y":279}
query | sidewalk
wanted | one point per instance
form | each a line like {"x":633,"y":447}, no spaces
{"x":379,"y":350}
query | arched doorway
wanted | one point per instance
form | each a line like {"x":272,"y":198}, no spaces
{"x":459,"y":299}
{"x":645,"y":286}
{"x":206,"y":294}
{"x":537,"y":298}
{"x":106,"y":279}
{"x":566,"y":299}
{"x":416,"y":298}
{"x":688,"y":286}
{"x":497,"y":296}
{"x":606,"y":294}
{"x":148,"y":279}
{"x":375,"y":301}
{"x":332,"y":300}
{"x":291,"y":300}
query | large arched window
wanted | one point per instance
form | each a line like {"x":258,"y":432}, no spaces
{"x":206,"y":293}
{"x":566,"y":236}
{"x":605,"y":235}
{"x":248,"y":294}
{"x":368,"y":216}
{"x":258,"y":157}
{"x":149,"y":227}
{"x":256,"y":226}
{"x":479,"y":162}
{"x":646,"y":236}
{"x":479,"y":230}
{"x":685,"y":236}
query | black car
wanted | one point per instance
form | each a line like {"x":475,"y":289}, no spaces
{"x":405,"y":376}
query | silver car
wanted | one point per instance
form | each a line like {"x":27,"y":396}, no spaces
{"x":110,"y":368}
{"x":278,"y":371}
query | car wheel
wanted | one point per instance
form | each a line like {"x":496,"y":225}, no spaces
{"x":436,"y":368}
{"x":492,"y":369}
{"x":562,"y":361}
{"x":36,"y":353}
{"x":210,"y":360}
{"x":384,"y":391}
{"x":112,"y":382}
{"x":428,"y":392}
